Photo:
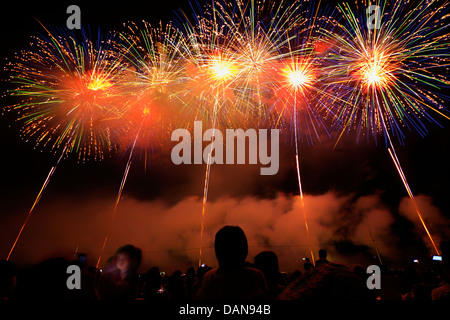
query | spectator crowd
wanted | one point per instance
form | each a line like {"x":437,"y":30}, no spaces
{"x":233,"y":279}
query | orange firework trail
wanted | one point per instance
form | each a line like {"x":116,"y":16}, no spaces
{"x":220,"y":71}
{"x":212,"y":72}
{"x":408,"y":189}
{"x":119,"y":194}
{"x":298,"y":77}
{"x":300,"y":86}
{"x":36,"y":201}
{"x":398,"y":166}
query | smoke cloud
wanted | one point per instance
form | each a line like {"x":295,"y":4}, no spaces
{"x":352,"y":228}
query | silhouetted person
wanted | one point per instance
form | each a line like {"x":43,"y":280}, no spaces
{"x":443,"y":291}
{"x":295,"y":275}
{"x":152,"y":284}
{"x":128,"y":259}
{"x":7,"y":279}
{"x":43,"y":281}
{"x":201,"y":271}
{"x":122,"y":281}
{"x":188,"y":282}
{"x":175,"y":286}
{"x":267,"y":262}
{"x":330,"y":282}
{"x":307,"y":265}
{"x":360,"y":272}
{"x":322,"y":257}
{"x":87,"y":289}
{"x":232,"y":279}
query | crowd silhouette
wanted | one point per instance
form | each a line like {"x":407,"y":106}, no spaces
{"x":233,"y":279}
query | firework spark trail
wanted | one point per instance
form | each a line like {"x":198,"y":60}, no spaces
{"x":220,"y":71}
{"x":400,"y":171}
{"x":300,"y":77}
{"x":411,"y":196}
{"x":36,"y":201}
{"x":155,"y":82}
{"x":206,"y":186}
{"x":211,"y":69}
{"x":398,"y":166}
{"x":125,"y":174}
{"x":119,"y":194}
{"x":297,"y":163}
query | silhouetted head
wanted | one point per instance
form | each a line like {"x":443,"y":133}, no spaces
{"x":7,"y":278}
{"x":128,"y":259}
{"x":359,"y":271}
{"x":267,"y":262}
{"x":202,"y":270}
{"x":322,"y":254}
{"x":445,"y":253}
{"x":231,"y":247}
{"x":307,"y":265}
{"x":44,"y":281}
{"x":190,"y":273}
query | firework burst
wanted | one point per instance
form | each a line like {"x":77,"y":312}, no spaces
{"x":68,"y":96}
{"x":395,"y":76}
{"x":155,"y":83}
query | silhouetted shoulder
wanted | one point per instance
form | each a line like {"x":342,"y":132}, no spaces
{"x":330,"y":281}
{"x":235,"y":283}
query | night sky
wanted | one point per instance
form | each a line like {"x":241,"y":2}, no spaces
{"x":351,"y":171}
